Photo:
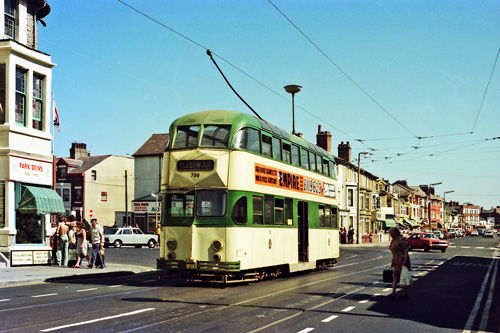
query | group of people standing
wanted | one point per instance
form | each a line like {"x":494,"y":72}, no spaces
{"x":346,"y":236}
{"x":71,"y":234}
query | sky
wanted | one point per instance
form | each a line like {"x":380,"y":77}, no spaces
{"x":415,"y":84}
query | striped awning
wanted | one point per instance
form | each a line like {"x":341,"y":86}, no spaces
{"x":389,"y":223}
{"x":410,"y":222}
{"x":39,"y":200}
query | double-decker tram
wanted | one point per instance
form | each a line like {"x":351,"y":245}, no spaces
{"x":244,"y":199}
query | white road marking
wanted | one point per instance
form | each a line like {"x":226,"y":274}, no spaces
{"x":35,"y":296}
{"x":349,"y":308}
{"x":329,"y":319}
{"x":96,"y":320}
{"x":305,"y":330}
{"x":479,"y":247}
{"x":375,"y":295}
{"x":149,"y":281}
{"x":465,"y":247}
{"x":387,"y":289}
{"x":5,"y":300}
{"x":363,"y":301}
{"x":116,"y":286}
{"x":79,"y":291}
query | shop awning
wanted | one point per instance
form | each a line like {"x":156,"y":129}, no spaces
{"x":389,"y":223}
{"x":410,"y":222}
{"x":39,"y":200}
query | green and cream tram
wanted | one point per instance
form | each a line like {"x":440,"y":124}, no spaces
{"x":244,"y":199}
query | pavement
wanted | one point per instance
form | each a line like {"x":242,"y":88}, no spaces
{"x":22,"y":275}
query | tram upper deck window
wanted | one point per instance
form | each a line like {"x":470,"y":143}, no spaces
{"x":295,"y":155}
{"x":216,"y":136}
{"x":326,"y":170}
{"x":187,"y":137}
{"x":266,"y":145}
{"x":180,"y":205}
{"x":249,"y":139}
{"x":287,"y":153}
{"x":211,"y":203}
{"x":312,"y":161}
{"x":319,"y":164}
{"x":305,"y":158}
{"x":277,"y":148}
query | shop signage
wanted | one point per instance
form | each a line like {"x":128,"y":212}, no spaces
{"x":22,"y":258}
{"x":40,"y":257}
{"x":30,"y":170}
{"x":269,"y":176}
{"x":146,"y":207}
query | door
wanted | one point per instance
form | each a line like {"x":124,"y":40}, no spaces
{"x":303,"y":232}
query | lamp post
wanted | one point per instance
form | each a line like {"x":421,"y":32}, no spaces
{"x":358,"y":203}
{"x":155,"y":195}
{"x":445,"y":204}
{"x":293,"y":89}
{"x":429,"y":189}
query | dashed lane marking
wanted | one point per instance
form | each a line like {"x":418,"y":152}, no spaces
{"x":45,"y":295}
{"x":305,"y":330}
{"x":96,"y":320}
{"x":349,"y":308}
{"x":89,"y":289}
{"x":329,"y":319}
{"x":116,"y":286}
{"x":5,"y":300}
{"x":363,"y":301}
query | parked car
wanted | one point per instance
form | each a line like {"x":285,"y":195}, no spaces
{"x":129,"y":236}
{"x":480,"y":231}
{"x":474,"y":233}
{"x":439,"y":234}
{"x":426,"y":241}
{"x":488,"y":233}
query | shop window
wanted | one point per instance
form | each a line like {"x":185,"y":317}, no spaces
{"x":21,"y":96}
{"x":104,"y":196}
{"x":240,"y":211}
{"x":37,"y":115}
{"x":258,"y":216}
{"x":29,"y":228}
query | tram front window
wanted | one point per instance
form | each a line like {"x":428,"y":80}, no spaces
{"x":187,"y":137}
{"x":211,"y":203}
{"x":180,"y":205}
{"x":216,"y":136}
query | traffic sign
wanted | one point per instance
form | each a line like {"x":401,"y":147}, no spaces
{"x":91,"y":213}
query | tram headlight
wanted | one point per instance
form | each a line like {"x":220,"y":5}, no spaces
{"x":171,"y":244}
{"x":217,"y":245}
{"x":217,"y":257}
{"x":171,"y":256}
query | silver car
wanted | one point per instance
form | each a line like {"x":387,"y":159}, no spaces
{"x":129,"y":236}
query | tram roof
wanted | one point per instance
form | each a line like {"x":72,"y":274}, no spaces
{"x":241,"y":119}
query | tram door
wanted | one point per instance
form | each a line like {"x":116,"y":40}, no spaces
{"x":303,"y":225}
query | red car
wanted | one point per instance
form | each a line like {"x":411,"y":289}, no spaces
{"x":426,"y":241}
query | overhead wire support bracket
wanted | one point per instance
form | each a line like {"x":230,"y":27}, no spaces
{"x":230,"y":86}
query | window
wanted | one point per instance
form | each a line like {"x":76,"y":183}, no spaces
{"x":289,"y":211}
{"x":321,"y":216}
{"x":62,"y":171}
{"x":295,"y":155}
{"x":277,"y":148}
{"x":312,"y":162}
{"x":21,"y":96}
{"x":2,"y":94}
{"x":78,"y":194}
{"x":266,"y":145}
{"x":258,"y":216}
{"x":268,"y":210}
{"x":37,"y":114}
{"x":104,"y":196}
{"x":211,"y":203}
{"x":334,"y":220}
{"x":180,"y":204}
{"x":328,"y":217}
{"x":216,"y":136}
{"x":65,"y":195}
{"x":319,"y":164}
{"x":2,"y":204}
{"x":326,"y":169}
{"x":93,"y":175}
{"x":187,"y":137}
{"x":10,"y":18}
{"x":305,"y":158}
{"x":350,"y":195}
{"x":279,"y":211}
{"x":58,"y":191}
{"x":287,"y":152}
{"x":248,"y":139}
{"x":240,"y":211}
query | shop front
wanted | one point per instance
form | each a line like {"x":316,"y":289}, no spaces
{"x":147,"y":214}
{"x":26,"y":205}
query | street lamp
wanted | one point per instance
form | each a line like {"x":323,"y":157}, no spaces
{"x":293,"y":89}
{"x":155,"y":195}
{"x":445,"y":204}
{"x":358,"y":203}
{"x":429,"y":190}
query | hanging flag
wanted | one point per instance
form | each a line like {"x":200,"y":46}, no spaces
{"x":56,"y":115}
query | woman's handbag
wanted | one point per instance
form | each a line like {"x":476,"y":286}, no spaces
{"x":405,"y":280}
{"x":387,"y":276}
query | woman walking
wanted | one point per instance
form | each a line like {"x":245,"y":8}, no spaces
{"x":400,"y":258}
{"x":81,"y":244}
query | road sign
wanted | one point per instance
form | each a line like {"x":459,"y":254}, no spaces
{"x":91,"y":213}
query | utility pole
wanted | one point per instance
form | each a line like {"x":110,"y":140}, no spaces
{"x":126,"y":201}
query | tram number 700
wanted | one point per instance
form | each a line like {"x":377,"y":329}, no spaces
{"x":195,"y":175}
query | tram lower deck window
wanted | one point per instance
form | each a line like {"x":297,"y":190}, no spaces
{"x":211,"y":203}
{"x":180,"y":205}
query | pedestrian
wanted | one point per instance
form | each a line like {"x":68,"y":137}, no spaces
{"x":343,"y":235}
{"x":400,"y":258}
{"x":97,"y":235}
{"x":115,"y":225}
{"x":63,"y":244}
{"x":350,"y":235}
{"x":81,"y":244}
{"x":158,"y":232}
{"x":53,"y":241}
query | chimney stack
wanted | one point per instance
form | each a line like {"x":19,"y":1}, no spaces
{"x":324,"y":139}
{"x":345,"y":151}
{"x":78,"y":151}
